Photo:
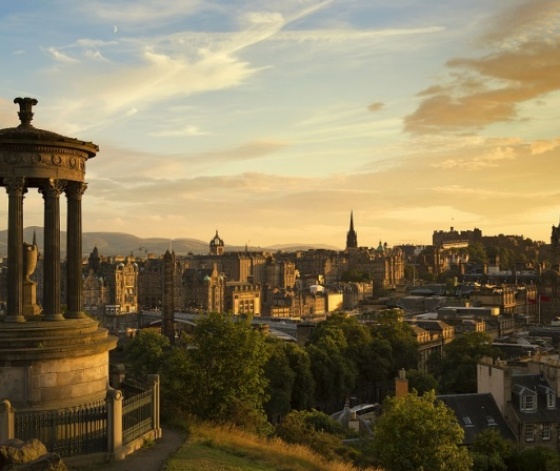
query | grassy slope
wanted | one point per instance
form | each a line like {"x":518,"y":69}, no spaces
{"x":212,"y":448}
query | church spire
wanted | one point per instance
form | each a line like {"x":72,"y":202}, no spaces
{"x":352,"y":236}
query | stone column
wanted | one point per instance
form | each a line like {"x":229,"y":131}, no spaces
{"x":115,"y":423}
{"x":74,"y":192}
{"x":51,"y":292}
{"x":7,"y":421}
{"x":15,"y":188}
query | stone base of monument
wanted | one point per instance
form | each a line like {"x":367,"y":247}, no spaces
{"x":54,"y":365}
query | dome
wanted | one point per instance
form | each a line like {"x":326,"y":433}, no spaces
{"x":25,"y":133}
{"x":216,"y":241}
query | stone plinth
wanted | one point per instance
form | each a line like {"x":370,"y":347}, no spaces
{"x":53,"y":365}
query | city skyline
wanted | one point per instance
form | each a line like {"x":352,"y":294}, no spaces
{"x":272,"y":121}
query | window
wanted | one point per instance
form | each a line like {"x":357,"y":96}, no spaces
{"x":467,"y":421}
{"x":528,"y":402}
{"x":546,"y":433}
{"x":529,"y":433}
{"x":550,"y":400}
{"x":490,"y":420}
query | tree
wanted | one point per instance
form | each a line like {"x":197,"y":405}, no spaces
{"x":304,"y":385}
{"x":416,"y":433}
{"x":227,"y":358}
{"x":457,"y":369}
{"x":491,"y":452}
{"x":144,"y":354}
{"x":421,"y":381}
{"x":535,"y":459}
{"x":313,"y":429}
{"x":281,"y":380}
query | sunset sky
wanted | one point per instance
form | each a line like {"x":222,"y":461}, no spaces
{"x":272,"y":120}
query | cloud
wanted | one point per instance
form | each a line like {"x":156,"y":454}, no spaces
{"x":527,"y":21}
{"x":139,"y":11}
{"x":188,"y":130}
{"x":57,"y":55}
{"x":484,"y":90}
{"x":375,"y":106}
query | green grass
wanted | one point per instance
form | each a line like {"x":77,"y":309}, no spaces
{"x":211,"y":448}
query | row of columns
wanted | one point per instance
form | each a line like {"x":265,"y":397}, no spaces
{"x":51,"y":190}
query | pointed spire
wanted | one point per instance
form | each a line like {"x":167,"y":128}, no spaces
{"x":351,"y":237}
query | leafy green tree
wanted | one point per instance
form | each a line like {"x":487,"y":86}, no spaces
{"x":418,"y":433}
{"x":281,"y":380}
{"x":227,"y":358}
{"x":535,"y":459}
{"x":421,"y":381}
{"x":477,"y":253}
{"x":144,"y":354}
{"x":456,"y":371}
{"x":402,"y":341}
{"x":313,"y":429}
{"x":304,"y":385}
{"x":490,"y":451}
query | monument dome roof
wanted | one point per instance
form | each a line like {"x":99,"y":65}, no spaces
{"x":26,"y":133}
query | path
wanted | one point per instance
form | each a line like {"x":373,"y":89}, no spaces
{"x":150,"y":458}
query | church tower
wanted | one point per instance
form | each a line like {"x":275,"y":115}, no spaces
{"x":351,"y":237}
{"x":216,"y":245}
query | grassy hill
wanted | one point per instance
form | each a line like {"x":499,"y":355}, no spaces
{"x":227,"y":449}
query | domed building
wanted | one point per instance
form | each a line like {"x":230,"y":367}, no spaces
{"x":216,"y":245}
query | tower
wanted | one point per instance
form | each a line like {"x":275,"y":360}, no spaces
{"x":351,"y":237}
{"x":216,"y":245}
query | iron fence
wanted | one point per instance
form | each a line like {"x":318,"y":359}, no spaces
{"x":68,"y":432}
{"x":137,"y":417}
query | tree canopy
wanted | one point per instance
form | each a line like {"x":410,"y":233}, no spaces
{"x":417,"y":433}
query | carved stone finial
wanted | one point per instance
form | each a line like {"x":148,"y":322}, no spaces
{"x":25,"y":109}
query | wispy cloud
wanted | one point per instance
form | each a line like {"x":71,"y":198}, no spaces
{"x":59,"y":56}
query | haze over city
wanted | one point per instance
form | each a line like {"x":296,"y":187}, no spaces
{"x":271,"y":121}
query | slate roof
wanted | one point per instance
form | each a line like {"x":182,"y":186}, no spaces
{"x":535,"y":383}
{"x":477,"y":412}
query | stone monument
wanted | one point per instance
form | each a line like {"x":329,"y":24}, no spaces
{"x":48,"y":359}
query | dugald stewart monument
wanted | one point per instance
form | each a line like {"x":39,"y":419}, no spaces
{"x":51,"y":360}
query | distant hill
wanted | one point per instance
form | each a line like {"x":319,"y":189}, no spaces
{"x":118,"y":243}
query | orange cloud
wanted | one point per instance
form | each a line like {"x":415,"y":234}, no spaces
{"x":376,"y":106}
{"x":528,"y":72}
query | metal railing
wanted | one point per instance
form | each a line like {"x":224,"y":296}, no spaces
{"x":68,"y":432}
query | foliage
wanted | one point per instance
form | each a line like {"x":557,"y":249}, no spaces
{"x":402,"y":341}
{"x":421,"y":381}
{"x":290,"y":381}
{"x":349,"y":358}
{"x":313,"y":429}
{"x":281,"y":380}
{"x":535,"y":459}
{"x":417,"y":433}
{"x":456,"y":371}
{"x":491,"y":452}
{"x":227,"y":361}
{"x":145,"y":353}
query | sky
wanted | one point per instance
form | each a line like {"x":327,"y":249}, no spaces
{"x":271,"y":121}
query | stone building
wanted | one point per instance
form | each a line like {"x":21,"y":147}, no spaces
{"x":110,"y":288}
{"x":242,"y":298}
{"x":527,"y":396}
{"x":548,"y":298}
{"x":150,"y":283}
{"x":203,"y":289}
